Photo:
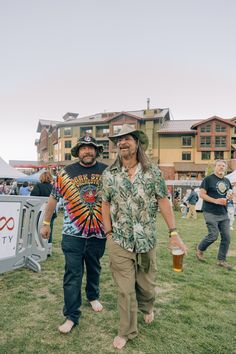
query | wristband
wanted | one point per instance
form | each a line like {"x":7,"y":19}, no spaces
{"x":173,"y":229}
{"x":173,"y":233}
{"x":46,"y":223}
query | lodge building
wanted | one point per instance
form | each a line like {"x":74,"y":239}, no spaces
{"x":183,"y":149}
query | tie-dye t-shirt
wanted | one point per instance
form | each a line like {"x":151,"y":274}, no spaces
{"x":78,"y":186}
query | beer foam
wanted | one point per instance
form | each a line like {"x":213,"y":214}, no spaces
{"x":177,"y":251}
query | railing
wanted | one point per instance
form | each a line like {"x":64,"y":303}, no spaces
{"x":20,"y":242}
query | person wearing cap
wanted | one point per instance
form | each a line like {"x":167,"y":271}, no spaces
{"x":132,"y":190}
{"x":83,"y":237}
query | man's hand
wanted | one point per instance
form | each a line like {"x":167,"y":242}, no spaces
{"x":45,"y":231}
{"x":221,"y":201}
{"x":176,"y":241}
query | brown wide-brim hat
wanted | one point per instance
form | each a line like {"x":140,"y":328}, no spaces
{"x":129,"y":130}
{"x":86,"y":140}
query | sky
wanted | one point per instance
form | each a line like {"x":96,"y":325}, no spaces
{"x":92,"y":56}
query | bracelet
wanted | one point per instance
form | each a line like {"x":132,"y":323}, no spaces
{"x":46,"y":223}
{"x":108,"y":232}
{"x":173,"y":233}
{"x":173,"y":229}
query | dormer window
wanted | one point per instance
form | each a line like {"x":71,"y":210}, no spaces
{"x":206,"y":128}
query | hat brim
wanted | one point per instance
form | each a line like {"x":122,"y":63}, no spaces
{"x":139,"y":134}
{"x":75,"y":149}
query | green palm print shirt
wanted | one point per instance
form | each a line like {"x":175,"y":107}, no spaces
{"x":133,"y":205}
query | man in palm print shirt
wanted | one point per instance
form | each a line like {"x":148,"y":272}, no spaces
{"x":83,"y":238}
{"x":132,"y":189}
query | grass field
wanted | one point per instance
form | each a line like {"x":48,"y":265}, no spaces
{"x":195,"y":310}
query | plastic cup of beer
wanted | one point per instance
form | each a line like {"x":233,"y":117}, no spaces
{"x":178,"y":255}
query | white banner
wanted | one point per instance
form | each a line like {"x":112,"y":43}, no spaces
{"x":9,"y":224}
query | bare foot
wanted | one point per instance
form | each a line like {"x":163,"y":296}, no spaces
{"x":96,"y":305}
{"x":119,"y":342}
{"x":149,"y":317}
{"x":66,"y":327}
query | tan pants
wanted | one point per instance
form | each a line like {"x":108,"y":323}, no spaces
{"x":192,"y":212}
{"x":136,"y":288}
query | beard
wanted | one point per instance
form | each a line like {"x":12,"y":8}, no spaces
{"x":88,"y":159}
{"x":126,"y":153}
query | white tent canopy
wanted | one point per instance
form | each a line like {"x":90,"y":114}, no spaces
{"x":232,"y":176}
{"x":7,"y":171}
{"x":34,"y":178}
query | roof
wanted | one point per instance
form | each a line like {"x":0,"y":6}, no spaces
{"x":106,"y":117}
{"x":204,"y":121}
{"x":177,"y":126}
{"x":189,"y":166}
{"x":45,"y":123}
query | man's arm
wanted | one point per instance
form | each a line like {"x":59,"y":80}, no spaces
{"x":45,"y":229}
{"x":168,"y":215}
{"x":106,"y":216}
{"x":203,"y":194}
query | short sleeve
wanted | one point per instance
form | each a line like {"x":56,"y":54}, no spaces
{"x":55,"y":193}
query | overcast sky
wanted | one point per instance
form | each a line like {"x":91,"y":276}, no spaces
{"x":91,"y":56}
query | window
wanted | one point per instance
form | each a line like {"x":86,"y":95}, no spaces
{"x":206,"y":128}
{"x":219,"y":155}
{"x":67,"y":156}
{"x":105,"y":144}
{"x":205,"y":141}
{"x":206,"y":155}
{"x":67,"y":144}
{"x":105,"y":155}
{"x":86,"y":130}
{"x":186,"y":140}
{"x":220,"y":128}
{"x":67,"y":131}
{"x":186,"y":156}
{"x":102,"y":131}
{"x":105,"y":131}
{"x":220,"y":141}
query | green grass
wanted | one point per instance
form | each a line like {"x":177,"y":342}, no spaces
{"x":195,"y":310}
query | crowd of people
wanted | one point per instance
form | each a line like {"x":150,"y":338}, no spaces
{"x":117,"y":206}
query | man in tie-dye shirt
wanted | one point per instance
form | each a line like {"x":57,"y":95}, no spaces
{"x":83,"y":238}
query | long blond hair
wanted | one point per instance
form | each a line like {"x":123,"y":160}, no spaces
{"x":46,"y":177}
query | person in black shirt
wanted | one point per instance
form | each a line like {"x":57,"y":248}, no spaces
{"x":43,"y":189}
{"x":213,"y":191}
{"x":83,"y":236}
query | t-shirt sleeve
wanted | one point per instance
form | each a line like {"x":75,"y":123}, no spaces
{"x":55,"y":193}
{"x":204,"y":184}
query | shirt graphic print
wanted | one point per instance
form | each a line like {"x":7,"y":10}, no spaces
{"x":78,"y":186}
